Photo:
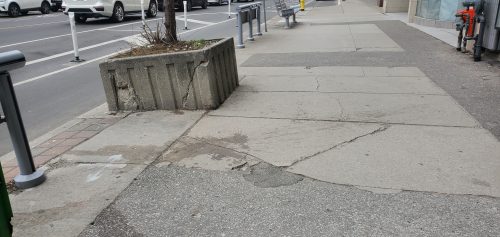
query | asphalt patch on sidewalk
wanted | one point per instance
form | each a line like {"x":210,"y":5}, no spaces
{"x":268,"y":176}
{"x":177,"y":201}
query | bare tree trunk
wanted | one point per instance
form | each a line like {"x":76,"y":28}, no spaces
{"x":170,"y":24}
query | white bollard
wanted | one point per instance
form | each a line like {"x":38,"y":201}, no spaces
{"x":73,"y":36}
{"x":185,"y":15}
{"x":142,"y":14}
{"x":228,"y":8}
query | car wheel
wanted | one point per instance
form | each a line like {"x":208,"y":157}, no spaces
{"x":14,"y":10}
{"x":80,"y":19}
{"x":118,"y":13}
{"x":204,"y":4}
{"x":45,"y":8}
{"x":153,"y":9}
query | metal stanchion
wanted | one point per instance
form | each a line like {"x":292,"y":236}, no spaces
{"x":185,"y":15}
{"x":265,"y":16}
{"x":74,"y":37}
{"x":229,"y":8}
{"x":240,"y":44}
{"x":250,"y":25}
{"x":29,"y":177}
{"x":259,"y":33}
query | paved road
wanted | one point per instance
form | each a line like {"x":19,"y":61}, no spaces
{"x":51,"y":90}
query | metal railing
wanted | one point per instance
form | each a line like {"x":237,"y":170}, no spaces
{"x":29,"y":177}
{"x":246,"y":14}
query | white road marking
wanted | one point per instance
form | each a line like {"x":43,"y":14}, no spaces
{"x":195,"y":21}
{"x":138,"y":30}
{"x":81,"y":32}
{"x":66,"y":68}
{"x":71,"y":52}
{"x":99,"y":58}
{"x":48,"y":23}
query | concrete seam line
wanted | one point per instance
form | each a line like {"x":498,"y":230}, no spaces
{"x":345,"y":121}
{"x":184,"y":134}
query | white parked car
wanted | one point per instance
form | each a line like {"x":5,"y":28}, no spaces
{"x":114,"y":9}
{"x":17,"y":7}
{"x":219,"y":2}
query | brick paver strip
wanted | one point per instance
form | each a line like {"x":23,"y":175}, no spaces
{"x":55,"y":151}
{"x":60,"y":143}
{"x":65,"y":135}
{"x":50,"y":143}
{"x":72,"y":141}
{"x":41,"y":160}
{"x":85,"y":134}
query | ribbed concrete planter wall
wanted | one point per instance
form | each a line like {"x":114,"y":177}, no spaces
{"x":201,"y":79}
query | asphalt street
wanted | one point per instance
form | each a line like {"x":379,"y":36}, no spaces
{"x":52,"y":90}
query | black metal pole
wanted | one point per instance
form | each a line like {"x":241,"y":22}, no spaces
{"x":29,"y":177}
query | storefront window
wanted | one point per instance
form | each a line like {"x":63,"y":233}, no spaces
{"x":443,"y":10}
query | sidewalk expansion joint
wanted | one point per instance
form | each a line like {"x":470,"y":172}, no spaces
{"x":344,"y":92}
{"x":343,"y":121}
{"x":379,"y":130}
{"x":184,"y":134}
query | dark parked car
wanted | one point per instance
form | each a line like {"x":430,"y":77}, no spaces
{"x":190,"y":4}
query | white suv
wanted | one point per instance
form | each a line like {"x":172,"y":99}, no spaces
{"x":114,"y":9}
{"x":17,"y":7}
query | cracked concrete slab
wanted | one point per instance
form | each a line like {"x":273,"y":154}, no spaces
{"x":383,"y":108}
{"x":344,"y":40}
{"x":420,"y":158}
{"x":403,"y":85}
{"x":302,"y":71}
{"x":280,"y":142}
{"x":333,"y":71}
{"x":139,"y":138}
{"x":195,"y":153}
{"x":70,"y":199}
{"x":279,"y":83}
{"x":323,"y":83}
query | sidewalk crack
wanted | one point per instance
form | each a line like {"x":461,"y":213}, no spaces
{"x":223,"y":147}
{"x":343,"y":116}
{"x":378,"y":130}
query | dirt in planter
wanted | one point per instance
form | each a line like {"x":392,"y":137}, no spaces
{"x":179,"y":46}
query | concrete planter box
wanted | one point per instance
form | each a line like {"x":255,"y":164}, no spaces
{"x":199,"y":79}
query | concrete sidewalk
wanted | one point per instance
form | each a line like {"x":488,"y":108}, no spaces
{"x":337,"y":128}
